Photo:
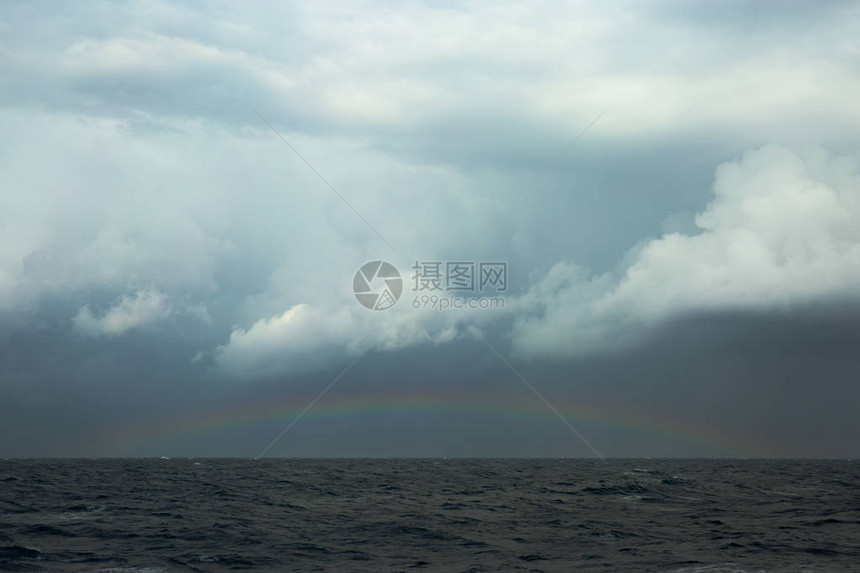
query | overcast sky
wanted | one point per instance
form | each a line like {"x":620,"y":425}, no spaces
{"x":188,"y":189}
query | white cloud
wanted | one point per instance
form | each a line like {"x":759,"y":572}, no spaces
{"x":146,"y":218}
{"x":306,"y":337}
{"x":782,"y":231}
{"x":131,"y":312}
{"x":408,"y":68}
{"x":132,"y":156}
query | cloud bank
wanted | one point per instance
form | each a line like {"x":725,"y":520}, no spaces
{"x":141,"y":309}
{"x":167,"y":196}
{"x":782,"y":232}
{"x":162,"y":251}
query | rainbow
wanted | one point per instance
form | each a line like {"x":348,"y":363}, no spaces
{"x":357,"y":405}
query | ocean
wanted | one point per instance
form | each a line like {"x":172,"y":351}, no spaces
{"x":458,"y":515}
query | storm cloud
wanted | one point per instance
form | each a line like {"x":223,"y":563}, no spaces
{"x":187,"y":190}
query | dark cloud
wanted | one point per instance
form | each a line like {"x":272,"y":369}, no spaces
{"x":740,"y":384}
{"x":164,"y":256}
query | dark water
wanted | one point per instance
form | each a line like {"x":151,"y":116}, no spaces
{"x":429,"y":515}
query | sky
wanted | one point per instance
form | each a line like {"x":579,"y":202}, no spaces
{"x":188,"y":191}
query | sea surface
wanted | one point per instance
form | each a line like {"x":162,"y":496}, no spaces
{"x":160,"y":515}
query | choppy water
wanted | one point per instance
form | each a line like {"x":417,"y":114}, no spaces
{"x":429,"y":515}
